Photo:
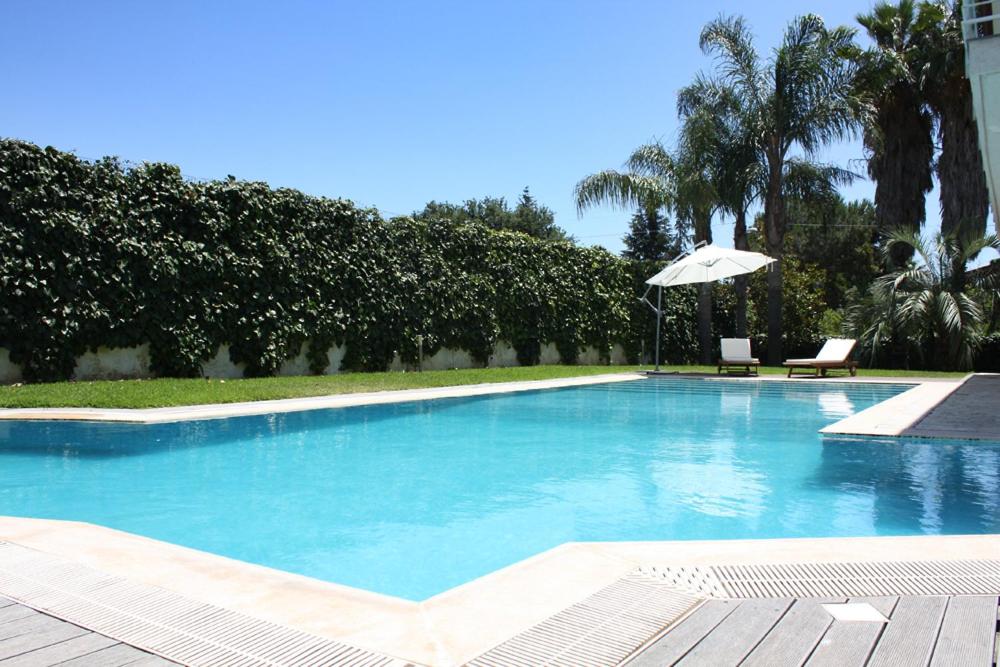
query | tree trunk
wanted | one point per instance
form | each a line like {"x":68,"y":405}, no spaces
{"x":703,"y":232}
{"x":774,"y":310}
{"x":740,"y":242}
{"x":705,"y":322}
{"x":774,"y":238}
{"x":902,"y":154}
{"x":965,"y":198}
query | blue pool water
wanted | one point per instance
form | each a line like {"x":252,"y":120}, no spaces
{"x":412,"y":499}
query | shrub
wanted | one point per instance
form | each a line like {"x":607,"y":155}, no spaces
{"x":93,"y":253}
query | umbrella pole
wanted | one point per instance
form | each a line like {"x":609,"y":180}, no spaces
{"x":659,"y":312}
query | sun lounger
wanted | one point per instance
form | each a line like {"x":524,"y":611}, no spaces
{"x":736,"y":354}
{"x":834,"y":354}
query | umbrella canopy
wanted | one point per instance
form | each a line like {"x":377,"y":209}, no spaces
{"x":709,"y":263}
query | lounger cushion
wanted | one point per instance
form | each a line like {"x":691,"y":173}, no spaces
{"x":834,"y":351}
{"x":737,"y":351}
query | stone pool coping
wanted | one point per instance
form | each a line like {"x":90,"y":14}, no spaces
{"x":250,"y":408}
{"x":959,"y":410}
{"x":455,"y":626}
{"x":894,"y":416}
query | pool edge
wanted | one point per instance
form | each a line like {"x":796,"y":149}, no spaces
{"x":331,"y":401}
{"x":463,"y":622}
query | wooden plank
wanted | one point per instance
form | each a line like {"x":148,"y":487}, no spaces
{"x":76,"y":647}
{"x":15,"y":612}
{"x":968,"y":633}
{"x":911,"y":633}
{"x":795,"y":636}
{"x":116,"y":655}
{"x":738,"y":634}
{"x":681,"y":638}
{"x":27,"y":625}
{"x":36,"y":640}
{"x":847,"y":644}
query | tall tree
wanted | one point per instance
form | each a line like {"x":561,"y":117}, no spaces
{"x":964,"y":194}
{"x":696,"y":202}
{"x":841,"y":239}
{"x":534,"y":219}
{"x":898,"y":137}
{"x":798,"y":99}
{"x":650,"y":238}
{"x":528,"y":217}
{"x":654,"y":180}
{"x":711,"y":127}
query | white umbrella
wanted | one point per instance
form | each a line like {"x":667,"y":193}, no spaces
{"x":704,"y":265}
{"x":709,"y":263}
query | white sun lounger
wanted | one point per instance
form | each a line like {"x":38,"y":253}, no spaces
{"x":834,"y":354}
{"x":736,"y":354}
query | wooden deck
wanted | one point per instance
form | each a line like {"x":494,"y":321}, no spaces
{"x":921,"y":630}
{"x":31,"y":639}
{"x":969,"y":412}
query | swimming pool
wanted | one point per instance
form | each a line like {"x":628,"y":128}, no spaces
{"x":411,"y":499}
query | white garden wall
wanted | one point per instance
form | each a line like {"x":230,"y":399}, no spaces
{"x":113,"y":363}
{"x":9,"y":372}
{"x":133,"y":362}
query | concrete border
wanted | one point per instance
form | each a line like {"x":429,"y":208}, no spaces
{"x":893,"y":416}
{"x":960,"y":410}
{"x":453,"y":627}
{"x":246,"y":409}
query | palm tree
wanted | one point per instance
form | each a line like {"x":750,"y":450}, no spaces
{"x":712,"y":128}
{"x":964,"y":194}
{"x":898,"y":137}
{"x":647,"y":183}
{"x":696,"y":201}
{"x":926,"y":303}
{"x":798,"y":99}
{"x":656,"y":180}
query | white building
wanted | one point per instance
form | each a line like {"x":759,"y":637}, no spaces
{"x":981,"y":27}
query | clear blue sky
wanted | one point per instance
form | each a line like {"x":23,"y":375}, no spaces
{"x":390,"y":104}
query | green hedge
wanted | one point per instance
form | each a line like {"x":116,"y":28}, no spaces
{"x":97,"y":254}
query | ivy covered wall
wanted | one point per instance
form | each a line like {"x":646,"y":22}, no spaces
{"x":96,"y":254}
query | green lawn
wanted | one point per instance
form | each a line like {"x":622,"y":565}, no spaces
{"x":172,"y":392}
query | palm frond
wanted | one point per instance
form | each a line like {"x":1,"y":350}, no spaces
{"x":812,"y":181}
{"x":621,"y":190}
{"x":730,"y":41}
{"x":651,"y":160}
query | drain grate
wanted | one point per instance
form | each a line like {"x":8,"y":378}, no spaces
{"x":603,"y":629}
{"x":957,"y":577}
{"x":162,"y":622}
